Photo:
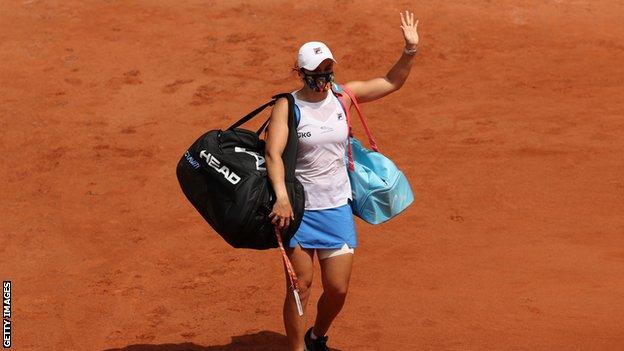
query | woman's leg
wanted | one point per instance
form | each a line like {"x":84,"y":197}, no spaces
{"x":303,"y":263}
{"x":335,"y":274}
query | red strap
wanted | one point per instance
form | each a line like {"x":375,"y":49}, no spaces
{"x":343,"y":103}
{"x":371,"y":140}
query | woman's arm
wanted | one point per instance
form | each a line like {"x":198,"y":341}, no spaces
{"x":379,"y":87}
{"x":277,"y":137}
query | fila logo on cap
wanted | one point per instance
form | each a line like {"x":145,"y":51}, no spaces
{"x":312,"y":53}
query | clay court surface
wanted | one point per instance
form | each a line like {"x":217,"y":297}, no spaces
{"x":510,"y":129}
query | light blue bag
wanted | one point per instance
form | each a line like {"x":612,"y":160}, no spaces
{"x":380,"y":190}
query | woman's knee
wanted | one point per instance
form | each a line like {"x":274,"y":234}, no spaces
{"x":304,"y":282}
{"x":336,"y":273}
{"x":302,"y":263}
{"x":336,"y":291}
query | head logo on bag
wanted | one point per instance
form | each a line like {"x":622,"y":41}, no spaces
{"x":216,"y":164}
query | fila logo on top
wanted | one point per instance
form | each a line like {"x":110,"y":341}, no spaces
{"x":216,"y":164}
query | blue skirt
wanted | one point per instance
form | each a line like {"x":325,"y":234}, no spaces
{"x":326,"y":229}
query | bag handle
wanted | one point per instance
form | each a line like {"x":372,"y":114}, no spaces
{"x":349,"y":132}
{"x":371,"y":139}
{"x":251,"y":115}
{"x":263,"y":126}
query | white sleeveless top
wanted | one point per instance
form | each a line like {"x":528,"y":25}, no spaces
{"x":321,"y":168}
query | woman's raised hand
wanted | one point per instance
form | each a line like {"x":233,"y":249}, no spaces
{"x":410,"y":29}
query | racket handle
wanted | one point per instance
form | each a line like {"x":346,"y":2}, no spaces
{"x":298,"y":301}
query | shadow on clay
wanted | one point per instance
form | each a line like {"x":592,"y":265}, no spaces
{"x":261,"y":341}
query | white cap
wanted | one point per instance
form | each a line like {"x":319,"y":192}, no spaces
{"x":312,"y":53}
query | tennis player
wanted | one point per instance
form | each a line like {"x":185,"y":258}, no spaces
{"x":327,"y":227}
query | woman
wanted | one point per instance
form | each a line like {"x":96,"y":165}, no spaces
{"x":327,"y":226}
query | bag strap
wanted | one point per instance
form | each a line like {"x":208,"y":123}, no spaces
{"x":289,"y":155}
{"x":371,"y":139}
{"x":263,"y":127}
{"x":339,"y":89}
{"x":251,"y":115}
{"x":343,"y":104}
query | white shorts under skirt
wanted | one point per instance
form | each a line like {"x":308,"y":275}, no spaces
{"x":327,"y":253}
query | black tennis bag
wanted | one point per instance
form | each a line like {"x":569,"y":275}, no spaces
{"x":223,"y":174}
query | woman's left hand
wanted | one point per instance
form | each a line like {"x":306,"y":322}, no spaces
{"x":410,"y":29}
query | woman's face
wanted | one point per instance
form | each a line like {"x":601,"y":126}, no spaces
{"x":319,"y":79}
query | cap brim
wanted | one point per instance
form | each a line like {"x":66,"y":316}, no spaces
{"x":314,"y":64}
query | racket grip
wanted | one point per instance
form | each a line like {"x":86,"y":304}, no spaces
{"x":298,"y":301}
